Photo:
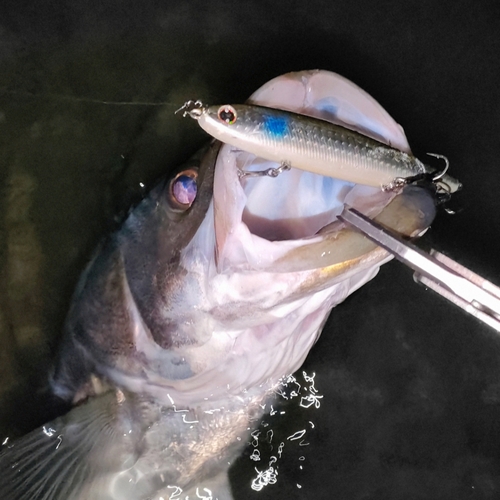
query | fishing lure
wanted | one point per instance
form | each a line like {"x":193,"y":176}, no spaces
{"x":312,"y":144}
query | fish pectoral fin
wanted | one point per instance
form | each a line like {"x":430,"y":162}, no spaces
{"x":60,"y":460}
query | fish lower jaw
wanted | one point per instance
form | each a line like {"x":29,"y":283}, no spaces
{"x":332,"y":243}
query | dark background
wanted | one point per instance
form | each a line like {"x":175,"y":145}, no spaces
{"x":410,"y":385}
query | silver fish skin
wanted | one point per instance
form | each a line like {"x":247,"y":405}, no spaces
{"x":312,"y":144}
{"x":186,"y":319}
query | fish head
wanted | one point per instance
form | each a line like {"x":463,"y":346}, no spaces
{"x":219,"y":284}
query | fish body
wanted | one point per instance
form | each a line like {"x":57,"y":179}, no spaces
{"x":187,"y":318}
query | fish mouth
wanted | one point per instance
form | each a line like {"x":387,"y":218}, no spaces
{"x":289,"y":223}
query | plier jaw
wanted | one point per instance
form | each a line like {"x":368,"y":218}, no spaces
{"x":461,"y":286}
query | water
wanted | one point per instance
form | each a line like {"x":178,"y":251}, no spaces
{"x":411,"y":387}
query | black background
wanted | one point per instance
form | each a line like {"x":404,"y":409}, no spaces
{"x":411,"y":385}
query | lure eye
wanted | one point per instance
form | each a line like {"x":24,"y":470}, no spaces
{"x":183,"y":189}
{"x":227,"y":114}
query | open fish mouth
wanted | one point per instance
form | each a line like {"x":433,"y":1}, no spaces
{"x":289,"y":223}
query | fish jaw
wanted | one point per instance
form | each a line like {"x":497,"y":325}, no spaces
{"x":252,"y":214}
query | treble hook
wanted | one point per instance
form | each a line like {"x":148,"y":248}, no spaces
{"x":428,"y":177}
{"x":440,"y":175}
{"x":269,"y":172}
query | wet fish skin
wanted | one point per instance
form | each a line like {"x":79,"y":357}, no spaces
{"x":138,"y":264}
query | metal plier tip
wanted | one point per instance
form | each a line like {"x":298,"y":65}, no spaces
{"x":475,"y":295}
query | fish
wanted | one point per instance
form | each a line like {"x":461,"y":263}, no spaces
{"x":187,"y":318}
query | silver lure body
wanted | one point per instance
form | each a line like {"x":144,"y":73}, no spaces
{"x":312,"y":144}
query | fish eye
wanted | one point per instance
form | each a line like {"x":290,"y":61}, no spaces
{"x":227,"y":114}
{"x":183,"y":189}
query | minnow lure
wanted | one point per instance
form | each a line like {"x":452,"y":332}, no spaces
{"x":312,"y":144}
